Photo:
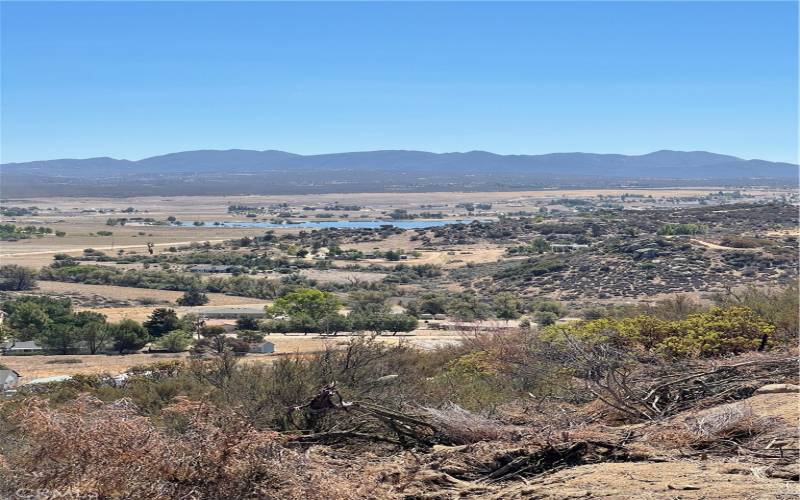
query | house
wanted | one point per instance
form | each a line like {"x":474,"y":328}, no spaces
{"x":263,"y":348}
{"x":16,"y":348}
{"x":9,"y":379}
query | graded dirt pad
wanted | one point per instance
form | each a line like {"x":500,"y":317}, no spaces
{"x":642,"y":480}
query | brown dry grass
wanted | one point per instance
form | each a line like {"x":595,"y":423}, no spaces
{"x":90,"y":449}
{"x":32,"y":367}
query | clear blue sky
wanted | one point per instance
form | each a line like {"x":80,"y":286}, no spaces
{"x":131,"y":80}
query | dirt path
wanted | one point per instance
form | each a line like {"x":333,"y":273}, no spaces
{"x":108,"y":247}
{"x":713,"y":245}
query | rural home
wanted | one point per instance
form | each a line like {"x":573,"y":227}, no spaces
{"x":264,"y":348}
{"x":16,"y":348}
{"x":9,"y":379}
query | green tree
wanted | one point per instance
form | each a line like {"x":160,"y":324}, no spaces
{"x":175,"y":341}
{"x":545,"y":318}
{"x":305,"y":304}
{"x":128,"y":335}
{"x":506,"y":306}
{"x":399,"y":323}
{"x":92,"y":329}
{"x":468,"y":307}
{"x":28,"y":319}
{"x":246,"y":324}
{"x":60,"y":337}
{"x":368,"y":302}
{"x":161,"y":321}
{"x":16,"y":278}
{"x":250,"y":336}
{"x":193,"y":297}
{"x":550,"y":306}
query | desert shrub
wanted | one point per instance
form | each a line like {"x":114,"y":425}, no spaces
{"x":16,"y":278}
{"x":681,"y":229}
{"x":743,"y":242}
{"x":717,"y":331}
{"x":192,"y":297}
{"x":779,"y":306}
{"x":533,"y":267}
{"x":545,"y":318}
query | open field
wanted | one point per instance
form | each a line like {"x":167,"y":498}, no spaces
{"x":622,"y":260}
{"x":82,"y":218}
{"x":38,"y":366}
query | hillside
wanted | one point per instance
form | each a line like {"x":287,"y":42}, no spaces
{"x":238,"y":171}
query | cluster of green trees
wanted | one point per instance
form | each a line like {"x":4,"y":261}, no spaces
{"x":681,"y":229}
{"x":310,"y":310}
{"x":405,"y":273}
{"x":73,"y":272}
{"x":245,"y":286}
{"x":468,"y":306}
{"x":536,"y":246}
{"x":56,"y":326}
{"x":11,"y":232}
{"x":18,"y":211}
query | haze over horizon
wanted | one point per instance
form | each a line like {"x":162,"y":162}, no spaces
{"x":136,"y":80}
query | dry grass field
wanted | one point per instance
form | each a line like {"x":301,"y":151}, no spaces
{"x":33,"y":367}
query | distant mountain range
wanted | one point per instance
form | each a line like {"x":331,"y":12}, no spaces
{"x":239,"y":171}
{"x":660,"y":164}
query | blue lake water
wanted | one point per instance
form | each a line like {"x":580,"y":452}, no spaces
{"x":339,"y":224}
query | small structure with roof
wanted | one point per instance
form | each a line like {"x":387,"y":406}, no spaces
{"x":9,"y":380}
{"x":17,"y":348}
{"x":263,"y":348}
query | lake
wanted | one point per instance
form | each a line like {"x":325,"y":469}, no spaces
{"x":339,"y":224}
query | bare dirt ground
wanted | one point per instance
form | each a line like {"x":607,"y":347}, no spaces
{"x":682,"y":478}
{"x":669,"y":480}
{"x":88,"y":294}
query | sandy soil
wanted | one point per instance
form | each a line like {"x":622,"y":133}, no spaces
{"x":669,"y":480}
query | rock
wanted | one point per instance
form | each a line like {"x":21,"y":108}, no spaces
{"x":778,"y":389}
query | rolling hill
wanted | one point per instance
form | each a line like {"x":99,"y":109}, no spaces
{"x":238,"y":171}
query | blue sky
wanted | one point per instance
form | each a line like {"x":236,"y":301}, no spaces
{"x":132,"y":80}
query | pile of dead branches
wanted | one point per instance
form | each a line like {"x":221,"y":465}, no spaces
{"x":642,"y":393}
{"x":366,"y":421}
